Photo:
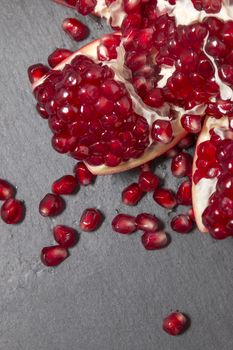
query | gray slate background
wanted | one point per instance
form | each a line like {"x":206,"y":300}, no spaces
{"x":110,"y":294}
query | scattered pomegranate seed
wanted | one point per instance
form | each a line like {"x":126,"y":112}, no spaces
{"x":36,"y":72}
{"x":184,"y":193}
{"x":65,"y":185}
{"x":175,"y":323}
{"x":53,"y":256}
{"x":75,"y":29}
{"x":90,"y":220}
{"x":154,"y":240}
{"x":123,"y":223}
{"x":147,"y":222}
{"x":57,"y":56}
{"x":162,"y":131}
{"x":12,"y":211}
{"x":65,"y":236}
{"x":182,"y":165}
{"x":132,"y":194}
{"x":165,"y":198}
{"x":191,"y":214}
{"x":191,"y":123}
{"x":6,"y":190}
{"x":51,"y":205}
{"x":83,"y":174}
{"x":182,"y":223}
{"x":148,"y":181}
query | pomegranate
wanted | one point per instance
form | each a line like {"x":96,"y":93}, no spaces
{"x":182,"y":223}
{"x":132,"y":194}
{"x":175,"y":323}
{"x":90,"y":220}
{"x":147,"y":222}
{"x":212,"y":189}
{"x":53,"y":256}
{"x":154,"y":240}
{"x":65,"y":185}
{"x":148,"y":181}
{"x":83,"y":175}
{"x":165,"y":198}
{"x":6,"y":190}
{"x":65,"y":236}
{"x":57,"y":56}
{"x":125,"y":224}
{"x":12,"y":211}
{"x":51,"y":205}
{"x":75,"y":29}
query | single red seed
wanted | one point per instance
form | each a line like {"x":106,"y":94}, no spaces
{"x":75,"y":29}
{"x":85,"y":7}
{"x":181,"y":165}
{"x":184,"y":193}
{"x":42,"y":111}
{"x":125,"y":224}
{"x":154,"y":240}
{"x":65,"y":236}
{"x":175,"y":323}
{"x":12,"y":211}
{"x":83,"y":174}
{"x":147,"y":222}
{"x":165,"y":198}
{"x":90,"y":220}
{"x":53,"y":256}
{"x":57,"y":56}
{"x":162,"y":131}
{"x":132,"y":194}
{"x":51,"y":205}
{"x":36,"y":72}
{"x":148,"y":181}
{"x":6,"y":190}
{"x":65,"y":185}
{"x":182,"y":223}
{"x":191,"y":123}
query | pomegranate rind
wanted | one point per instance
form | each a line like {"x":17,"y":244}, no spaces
{"x":199,"y":199}
{"x":154,"y":151}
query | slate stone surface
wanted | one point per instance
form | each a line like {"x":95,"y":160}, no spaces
{"x":110,"y":294}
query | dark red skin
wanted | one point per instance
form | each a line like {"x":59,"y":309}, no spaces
{"x":53,"y":256}
{"x":90,"y":220}
{"x":12,"y":211}
{"x":175,"y":323}
{"x":65,"y":236}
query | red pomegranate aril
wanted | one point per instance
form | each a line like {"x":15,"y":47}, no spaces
{"x":42,"y":111}
{"x":147,"y":222}
{"x":191,"y":214}
{"x":132,"y":194}
{"x":51,"y":205}
{"x":148,"y":181}
{"x":181,"y":165}
{"x":75,"y":29}
{"x":225,"y":184}
{"x":65,"y":185}
{"x":80,"y":152}
{"x":83,"y":174}
{"x":182,"y":223}
{"x":12,"y":211}
{"x":154,"y":240}
{"x":226,"y":73}
{"x":206,"y":150}
{"x":63,"y":142}
{"x":162,"y":131}
{"x":175,"y":323}
{"x":227,"y":33}
{"x":67,"y":113}
{"x":112,"y":160}
{"x":6,"y":190}
{"x":112,"y":89}
{"x":165,"y":198}
{"x":65,"y":236}
{"x":123,"y":223}
{"x":36,"y":72}
{"x":57,"y":56}
{"x":53,"y":256}
{"x":154,"y":98}
{"x":191,"y":123}
{"x":184,"y":193}
{"x":90,"y":220}
{"x":85,"y":7}
{"x":216,"y":47}
{"x":219,"y":232}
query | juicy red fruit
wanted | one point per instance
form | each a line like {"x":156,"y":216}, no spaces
{"x":53,"y":256}
{"x":154,"y":240}
{"x":37,"y":71}
{"x":51,"y":205}
{"x":57,"y":56}
{"x":184,"y":193}
{"x":12,"y":211}
{"x":165,"y":198}
{"x":123,"y":223}
{"x":181,"y":165}
{"x":132,"y":194}
{"x":83,"y":175}
{"x":148,"y":181}
{"x":75,"y":29}
{"x":182,"y":223}
{"x":6,"y":190}
{"x":90,"y":220}
{"x":175,"y":323}
{"x":147,"y":222}
{"x":65,"y":185}
{"x":65,"y":236}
